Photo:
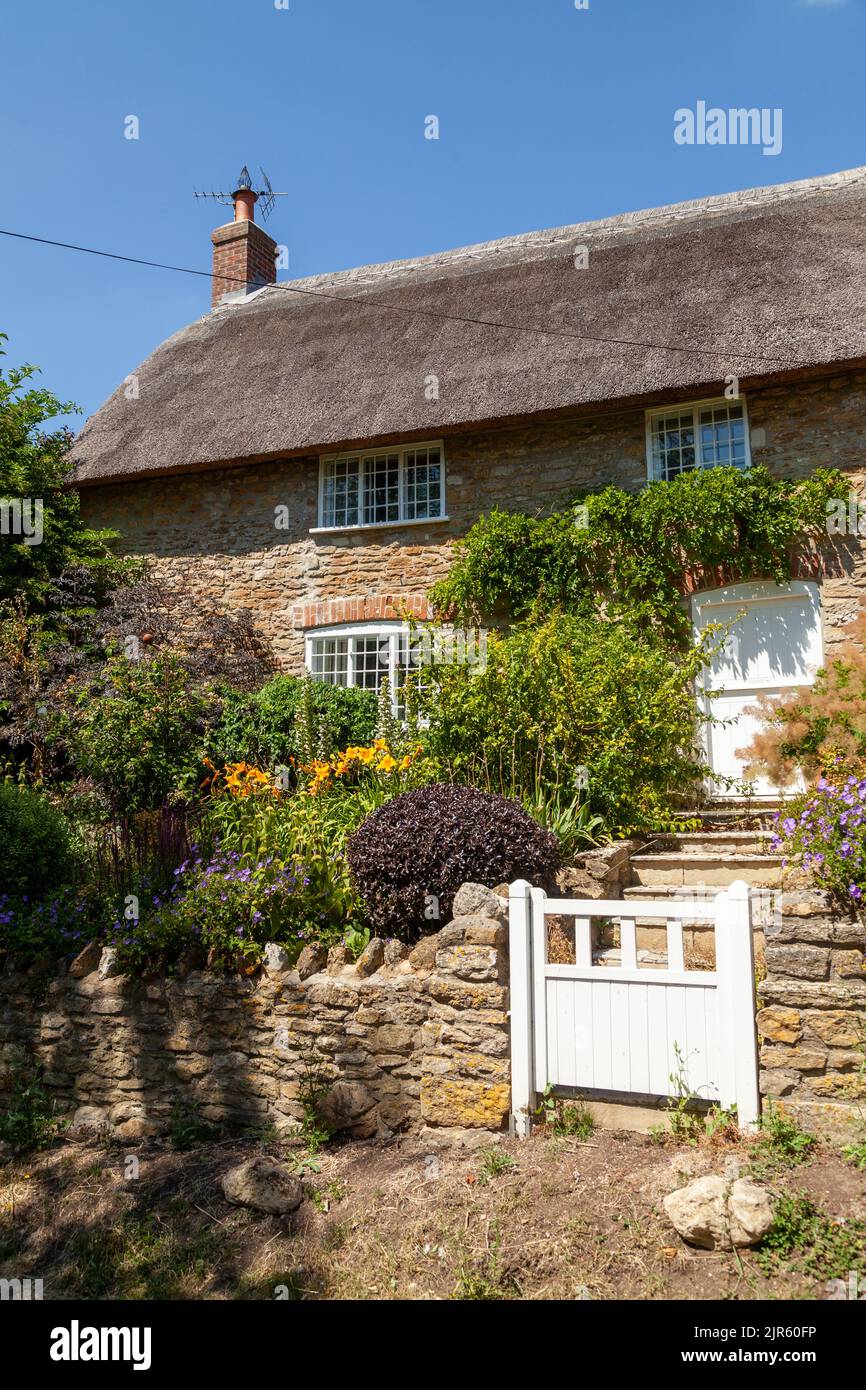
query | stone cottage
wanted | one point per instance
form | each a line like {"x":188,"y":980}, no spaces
{"x":311,"y":449}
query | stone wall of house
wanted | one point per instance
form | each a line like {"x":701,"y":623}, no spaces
{"x":413,"y":1038}
{"x":812,"y":1020}
{"x":215,"y":532}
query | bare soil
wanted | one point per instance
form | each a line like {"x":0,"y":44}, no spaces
{"x":413,"y":1218}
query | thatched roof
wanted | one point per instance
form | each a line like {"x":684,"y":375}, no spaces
{"x":753,"y":284}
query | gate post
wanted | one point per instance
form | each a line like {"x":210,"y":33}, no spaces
{"x":735,"y":962}
{"x":520,"y":927}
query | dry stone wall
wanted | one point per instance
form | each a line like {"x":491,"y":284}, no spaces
{"x":400,"y":1039}
{"x":812,"y":1020}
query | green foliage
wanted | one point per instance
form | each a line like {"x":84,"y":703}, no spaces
{"x":485,"y":1279}
{"x":856,"y":1154}
{"x":574,"y":1120}
{"x":494,"y":1162}
{"x":804,"y":1237}
{"x":33,"y":929}
{"x":564,"y":1119}
{"x":781,"y":1142}
{"x":356,"y":940}
{"x":268,"y":727}
{"x":29,"y":1122}
{"x":312,"y":1089}
{"x":311,"y":829}
{"x":594,"y":666}
{"x":225,"y":909}
{"x":570,"y":820}
{"x":72,"y":567}
{"x":685,"y":1123}
{"x":574,"y":693}
{"x":636,"y":547}
{"x":137,"y":731}
{"x":186,"y":1127}
{"x":36,"y":850}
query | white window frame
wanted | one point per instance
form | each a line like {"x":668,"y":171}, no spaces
{"x":390,"y":629}
{"x":679,"y":408}
{"x":362,"y":455}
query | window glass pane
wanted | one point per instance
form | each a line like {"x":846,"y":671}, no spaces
{"x":411,"y":659}
{"x":371,"y":659}
{"x":673,"y":444}
{"x":708,"y":437}
{"x":722,"y":436}
{"x":423,"y":473}
{"x":340,"y":487}
{"x":381,"y":488}
{"x":331,"y":660}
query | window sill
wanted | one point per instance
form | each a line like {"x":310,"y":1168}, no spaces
{"x":378,"y":526}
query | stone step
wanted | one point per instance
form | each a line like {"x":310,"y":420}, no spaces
{"x":711,"y":842}
{"x":726,"y":815}
{"x":687,"y":868}
{"x":765,"y":905}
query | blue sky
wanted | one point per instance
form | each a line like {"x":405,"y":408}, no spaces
{"x":548,"y":115}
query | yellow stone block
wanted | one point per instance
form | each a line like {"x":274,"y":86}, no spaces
{"x":779,"y":1024}
{"x":464,"y":1104}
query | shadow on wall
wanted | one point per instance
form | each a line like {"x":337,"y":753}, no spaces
{"x":418,"y":1038}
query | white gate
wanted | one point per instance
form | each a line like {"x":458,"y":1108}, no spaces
{"x":629,"y":1028}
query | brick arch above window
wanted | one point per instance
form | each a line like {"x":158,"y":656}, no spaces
{"x":805,"y":564}
{"x":370,"y":608}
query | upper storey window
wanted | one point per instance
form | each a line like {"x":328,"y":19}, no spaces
{"x":707,"y":434}
{"x":382,"y":487}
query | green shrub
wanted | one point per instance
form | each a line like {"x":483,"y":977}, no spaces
{"x":781,"y":1142}
{"x":267,"y":728}
{"x":36,"y":854}
{"x":411,"y":855}
{"x":574,"y":693}
{"x":137,"y":730}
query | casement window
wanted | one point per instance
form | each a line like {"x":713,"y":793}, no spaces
{"x":362,"y":656}
{"x":382,"y":487}
{"x":706,"y":434}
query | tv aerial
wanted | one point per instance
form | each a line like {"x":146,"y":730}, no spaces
{"x":265,"y":196}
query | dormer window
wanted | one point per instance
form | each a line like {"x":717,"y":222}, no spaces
{"x":706,"y":434}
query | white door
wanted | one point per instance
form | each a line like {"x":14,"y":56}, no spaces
{"x":774,"y":643}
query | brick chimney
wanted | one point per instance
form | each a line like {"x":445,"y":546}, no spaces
{"x":244,"y":257}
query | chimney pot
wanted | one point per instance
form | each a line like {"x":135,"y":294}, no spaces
{"x":245,"y":201}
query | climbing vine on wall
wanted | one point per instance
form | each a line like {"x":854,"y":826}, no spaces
{"x":627,"y":554}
